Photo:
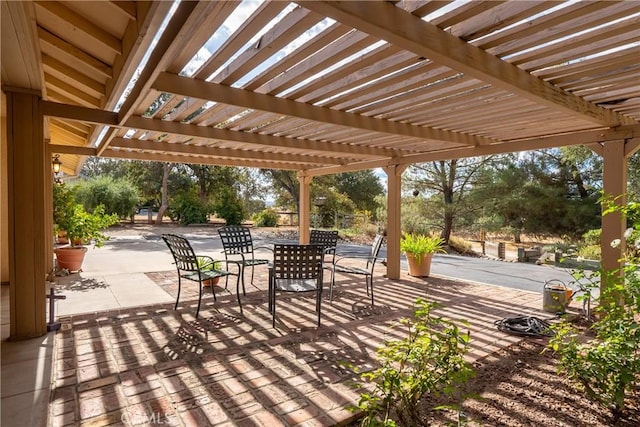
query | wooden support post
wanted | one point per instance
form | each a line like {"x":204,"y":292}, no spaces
{"x":394,"y":200}
{"x":304,"y":208}
{"x":615,"y":187}
{"x":29,"y":171}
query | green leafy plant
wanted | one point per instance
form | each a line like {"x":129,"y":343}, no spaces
{"x":608,"y":364}
{"x":205,"y":263}
{"x":266,"y":218}
{"x":429,"y":360}
{"x":83,"y":227}
{"x":420,"y":244}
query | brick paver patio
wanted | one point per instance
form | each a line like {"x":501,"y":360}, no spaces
{"x":153,"y":365}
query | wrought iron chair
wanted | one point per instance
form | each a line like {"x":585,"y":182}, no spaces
{"x":343,"y":263}
{"x":197,"y":268}
{"x":237,"y":242}
{"x":295,"y":268}
{"x":328,"y":239}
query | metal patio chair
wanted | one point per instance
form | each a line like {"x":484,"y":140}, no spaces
{"x":196,"y":268}
{"x":295,"y":269}
{"x":344,"y":263}
{"x":237,"y":243}
{"x":328,"y":239}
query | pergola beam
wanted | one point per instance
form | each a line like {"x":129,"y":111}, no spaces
{"x":388,"y":22}
{"x":172,"y":158}
{"x":253,"y":138}
{"x":203,"y":150}
{"x":193,"y":88}
{"x":591,"y":139}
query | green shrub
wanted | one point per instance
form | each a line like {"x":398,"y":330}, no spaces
{"x":590,"y":252}
{"x":266,"y":218}
{"x":187,"y":208}
{"x":592,"y":237}
{"x":229,"y":207}
{"x":607,"y":365}
{"x":429,"y":360}
{"x":118,"y":196}
{"x":418,"y":244}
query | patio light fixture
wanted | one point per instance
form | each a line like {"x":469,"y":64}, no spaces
{"x":56,"y":164}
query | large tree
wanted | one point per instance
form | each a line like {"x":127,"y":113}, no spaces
{"x":362,"y":187}
{"x":446,"y":184}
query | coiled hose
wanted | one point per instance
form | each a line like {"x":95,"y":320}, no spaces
{"x":524,"y":325}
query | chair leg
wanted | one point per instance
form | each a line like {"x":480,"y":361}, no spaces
{"x":273,"y":307}
{"x":331,"y":283}
{"x":213,"y":291}
{"x":318,"y":304}
{"x":253,"y":268}
{"x":238,"y":294}
{"x":175,"y":307}
{"x":199,"y":299}
{"x":244,"y":291}
{"x":371,"y":282}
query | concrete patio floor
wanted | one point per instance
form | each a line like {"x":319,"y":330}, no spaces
{"x":124,"y":357}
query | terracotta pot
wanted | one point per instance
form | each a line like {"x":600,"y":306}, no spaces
{"x":70,"y":258}
{"x":211,"y":282}
{"x":419,"y":266}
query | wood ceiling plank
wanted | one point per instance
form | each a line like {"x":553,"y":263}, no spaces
{"x":281,"y":34}
{"x":588,"y":18}
{"x":346,"y":46}
{"x":128,"y":8}
{"x":227,"y":95}
{"x":76,"y":22}
{"x":383,"y":73}
{"x":79,"y":96}
{"x":498,"y":18}
{"x":211,"y":23}
{"x":63,"y":47}
{"x":465,"y":12}
{"x":570,"y":72}
{"x":249,"y":27}
{"x":390,"y":23}
{"x":334,"y":32}
{"x":72,"y":76}
{"x":20,"y":43}
{"x":73,"y":126}
{"x":592,"y":47}
{"x":222,"y":152}
{"x":371,"y":58}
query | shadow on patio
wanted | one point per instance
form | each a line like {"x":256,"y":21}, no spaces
{"x":153,"y":364}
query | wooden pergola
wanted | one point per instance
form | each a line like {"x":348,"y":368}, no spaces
{"x":320,"y":87}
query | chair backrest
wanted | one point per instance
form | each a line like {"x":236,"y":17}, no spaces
{"x":325,"y":238}
{"x":292,"y":261}
{"x":183,"y":254}
{"x":236,"y":239}
{"x":375,"y":249}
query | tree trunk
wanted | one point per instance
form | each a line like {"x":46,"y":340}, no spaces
{"x":164,"y":191}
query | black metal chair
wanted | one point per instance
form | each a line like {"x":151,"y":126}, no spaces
{"x":197,"y":268}
{"x":328,"y":239}
{"x":237,"y":242}
{"x":295,"y":268}
{"x":344,"y":263}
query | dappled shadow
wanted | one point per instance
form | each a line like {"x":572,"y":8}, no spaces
{"x":228,"y":367}
{"x":75,"y":283}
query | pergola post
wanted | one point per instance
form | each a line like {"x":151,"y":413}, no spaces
{"x":30,"y":233}
{"x":394,"y":200}
{"x":304,"y":208}
{"x":615,"y":187}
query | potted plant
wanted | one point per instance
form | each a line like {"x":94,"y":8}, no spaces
{"x":82,"y":228}
{"x":205,"y":264}
{"x":419,"y":250}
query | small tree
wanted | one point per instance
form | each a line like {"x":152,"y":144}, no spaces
{"x":429,"y":360}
